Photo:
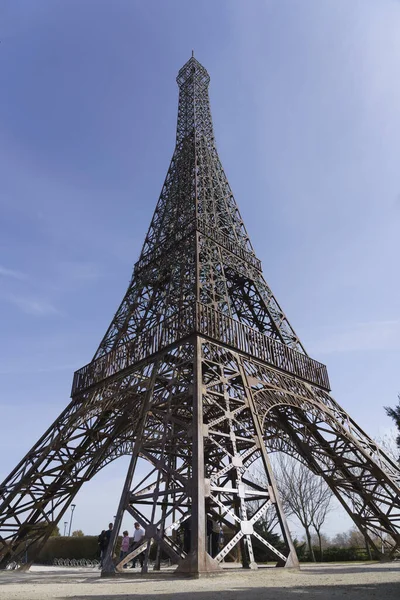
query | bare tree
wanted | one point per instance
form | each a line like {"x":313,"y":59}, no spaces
{"x":354,"y":538}
{"x":341,"y":539}
{"x":305,"y":493}
{"x":321,"y":505}
{"x":324,"y":540}
{"x":270,"y":519}
{"x":388,"y":442}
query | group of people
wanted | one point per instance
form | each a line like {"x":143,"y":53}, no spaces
{"x":128,"y":544}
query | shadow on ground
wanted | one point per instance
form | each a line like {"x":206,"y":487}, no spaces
{"x":337,"y":570}
{"x":17,"y":578}
{"x":388,"y":591}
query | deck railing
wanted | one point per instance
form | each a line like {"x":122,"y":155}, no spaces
{"x":231,"y":332}
{"x":148,"y":343}
{"x":213,"y":324}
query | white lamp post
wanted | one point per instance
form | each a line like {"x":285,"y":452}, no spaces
{"x":72,"y":514}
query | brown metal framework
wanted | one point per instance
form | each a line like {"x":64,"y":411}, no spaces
{"x":200,"y":374}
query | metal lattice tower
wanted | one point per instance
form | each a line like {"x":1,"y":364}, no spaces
{"x":200,"y":374}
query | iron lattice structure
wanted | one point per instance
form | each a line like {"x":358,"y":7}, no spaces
{"x":200,"y":374}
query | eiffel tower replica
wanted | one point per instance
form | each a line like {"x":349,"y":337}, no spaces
{"x":200,"y":376}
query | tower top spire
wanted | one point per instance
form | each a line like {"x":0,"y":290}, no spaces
{"x":192,"y":71}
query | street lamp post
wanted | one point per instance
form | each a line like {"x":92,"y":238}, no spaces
{"x":72,"y":514}
{"x":65,"y":527}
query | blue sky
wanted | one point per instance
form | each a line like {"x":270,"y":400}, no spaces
{"x":305,"y":97}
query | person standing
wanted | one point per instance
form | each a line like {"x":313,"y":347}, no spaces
{"x":124,"y":546}
{"x":100,"y":542}
{"x":108,"y":532}
{"x":138,"y":537}
{"x":104,"y":540}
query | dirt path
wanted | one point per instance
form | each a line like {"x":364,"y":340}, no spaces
{"x":319,"y":582}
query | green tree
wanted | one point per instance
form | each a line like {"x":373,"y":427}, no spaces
{"x":55,"y":532}
{"x":78,"y":533}
{"x":394,"y":413}
{"x":261,"y":552}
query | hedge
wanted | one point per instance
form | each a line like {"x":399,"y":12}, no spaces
{"x":334,"y":554}
{"x":70,"y":547}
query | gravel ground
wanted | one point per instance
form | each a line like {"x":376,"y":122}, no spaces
{"x":317,"y":582}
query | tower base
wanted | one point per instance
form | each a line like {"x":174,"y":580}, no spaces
{"x":197,"y":566}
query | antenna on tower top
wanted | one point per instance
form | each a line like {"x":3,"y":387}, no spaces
{"x":192,"y":53}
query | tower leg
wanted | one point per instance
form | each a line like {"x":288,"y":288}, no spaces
{"x":198,"y":562}
{"x":108,"y":566}
{"x":291,"y":561}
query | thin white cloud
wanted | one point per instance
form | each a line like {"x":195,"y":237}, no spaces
{"x":33,"y":306}
{"x":374,"y":335}
{"x":12,"y":273}
{"x":79,"y":271}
